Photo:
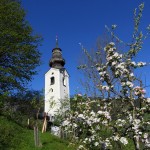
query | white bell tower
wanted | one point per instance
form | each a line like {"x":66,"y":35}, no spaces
{"x":56,"y":85}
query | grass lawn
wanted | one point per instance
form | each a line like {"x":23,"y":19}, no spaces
{"x":14,"y":137}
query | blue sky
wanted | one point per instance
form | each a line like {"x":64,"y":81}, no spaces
{"x":82,"y":21}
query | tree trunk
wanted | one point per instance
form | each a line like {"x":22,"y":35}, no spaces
{"x":136,"y":143}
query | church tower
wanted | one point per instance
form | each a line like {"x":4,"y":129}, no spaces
{"x":56,"y":85}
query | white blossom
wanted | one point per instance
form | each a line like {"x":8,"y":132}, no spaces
{"x":114,"y":63}
{"x":137,"y":121}
{"x":65,"y":123}
{"x":100,"y":112}
{"x":116,"y":138}
{"x":98,"y":68}
{"x":145,"y":135}
{"x":104,"y":122}
{"x":148,"y":100}
{"x":129,"y":84}
{"x":92,"y":113}
{"x":123,"y":140}
{"x":131,"y":74}
{"x":116,"y":54}
{"x":120,"y":122}
{"x":105,"y":88}
{"x":96,"y":143}
{"x":123,"y":83}
{"x":140,"y":64}
{"x":112,"y":43}
{"x":133,"y":63}
{"x":81,"y":116}
{"x":109,"y":58}
{"x":80,"y":147}
{"x":74,"y":125}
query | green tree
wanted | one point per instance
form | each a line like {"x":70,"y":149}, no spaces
{"x":19,"y":55}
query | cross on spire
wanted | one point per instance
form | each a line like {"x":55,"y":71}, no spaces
{"x":56,"y":41}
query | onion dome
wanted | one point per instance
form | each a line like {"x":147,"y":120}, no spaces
{"x":57,"y":60}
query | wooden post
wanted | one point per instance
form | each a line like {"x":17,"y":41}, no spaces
{"x":36,"y":136}
{"x":62,"y":133}
{"x":28,"y":123}
{"x":44,"y":124}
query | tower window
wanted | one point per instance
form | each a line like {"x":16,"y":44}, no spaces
{"x":51,"y":90}
{"x":52,"y":80}
{"x":64,"y":81}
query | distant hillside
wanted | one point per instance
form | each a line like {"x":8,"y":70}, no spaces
{"x":14,"y":137}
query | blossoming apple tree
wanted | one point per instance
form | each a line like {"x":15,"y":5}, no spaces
{"x":93,"y":123}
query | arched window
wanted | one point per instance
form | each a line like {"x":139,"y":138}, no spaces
{"x":52,"y":80}
{"x":51,"y":90}
{"x":64,"y":81}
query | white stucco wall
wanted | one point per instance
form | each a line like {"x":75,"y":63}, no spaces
{"x":56,"y":92}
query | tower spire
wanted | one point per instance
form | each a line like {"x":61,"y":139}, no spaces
{"x":57,"y":60}
{"x":56,"y":41}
